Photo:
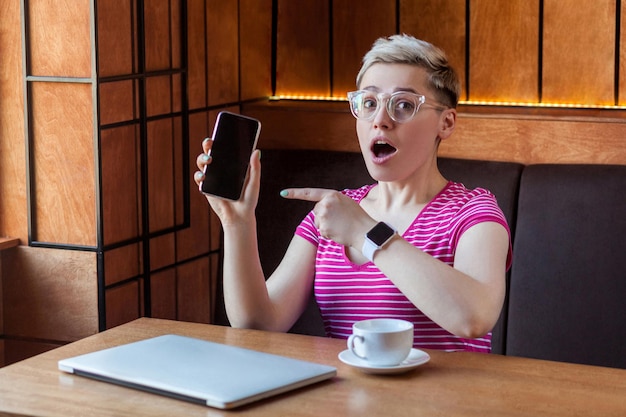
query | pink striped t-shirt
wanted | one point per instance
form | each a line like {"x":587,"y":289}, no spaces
{"x":346,"y":292}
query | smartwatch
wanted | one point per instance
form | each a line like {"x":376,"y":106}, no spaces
{"x":376,"y":238}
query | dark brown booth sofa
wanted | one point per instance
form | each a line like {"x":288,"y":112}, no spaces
{"x":566,"y":290}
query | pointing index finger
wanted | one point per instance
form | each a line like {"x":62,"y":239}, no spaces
{"x":308,"y":194}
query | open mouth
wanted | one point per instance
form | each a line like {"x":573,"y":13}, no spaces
{"x":382,"y":149}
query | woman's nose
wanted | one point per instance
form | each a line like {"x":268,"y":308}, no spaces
{"x":382,"y":119}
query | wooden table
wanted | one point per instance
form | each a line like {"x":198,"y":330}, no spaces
{"x":451,"y":384}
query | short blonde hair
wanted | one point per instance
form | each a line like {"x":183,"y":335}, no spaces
{"x":405,"y":49}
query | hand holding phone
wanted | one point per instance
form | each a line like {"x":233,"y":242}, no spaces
{"x":234,"y":139}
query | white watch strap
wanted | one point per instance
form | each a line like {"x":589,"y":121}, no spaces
{"x":368,"y":249}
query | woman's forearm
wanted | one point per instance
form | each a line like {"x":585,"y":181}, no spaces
{"x":245,"y":292}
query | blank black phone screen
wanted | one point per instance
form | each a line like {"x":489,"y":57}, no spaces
{"x":234,"y":139}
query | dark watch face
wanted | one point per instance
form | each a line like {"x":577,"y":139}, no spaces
{"x":380,"y":233}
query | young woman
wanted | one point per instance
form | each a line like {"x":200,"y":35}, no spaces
{"x":413,"y":245}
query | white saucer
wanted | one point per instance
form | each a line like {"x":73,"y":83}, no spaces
{"x":416,"y":358}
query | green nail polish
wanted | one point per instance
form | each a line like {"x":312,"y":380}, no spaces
{"x":284,"y":193}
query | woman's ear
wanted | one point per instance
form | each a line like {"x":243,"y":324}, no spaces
{"x":448,"y":122}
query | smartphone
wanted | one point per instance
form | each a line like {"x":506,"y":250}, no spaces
{"x":234,"y":139}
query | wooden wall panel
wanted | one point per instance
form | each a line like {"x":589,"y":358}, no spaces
{"x":13,"y":209}
{"x":440,"y":22}
{"x":622,"y":57}
{"x":162,"y":22}
{"x":118,"y":102}
{"x":162,"y":251}
{"x":122,"y":263}
{"x":194,"y":240}
{"x":537,"y":140}
{"x":52,"y":293}
{"x":196,"y":54}
{"x":215,"y":274}
{"x":579,"y":51}
{"x":194,"y":291}
{"x":116,"y":37}
{"x":60,"y":38}
{"x":176,"y":23}
{"x":354,"y":32}
{"x":123,"y":304}
{"x":180,"y":174}
{"x":63,"y":149}
{"x":121,"y":201}
{"x":163,"y":95}
{"x":255,"y":48}
{"x":504,"y":49}
{"x":163,"y":294}
{"x":293,"y":125}
{"x":303,"y":63}
{"x":161,"y":136}
{"x":222,"y":51}
{"x":180,"y":183}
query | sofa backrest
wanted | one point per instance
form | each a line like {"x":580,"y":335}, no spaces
{"x":502,"y":179}
{"x":568,"y":281}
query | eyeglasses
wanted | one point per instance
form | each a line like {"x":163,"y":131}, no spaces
{"x":401,"y":105}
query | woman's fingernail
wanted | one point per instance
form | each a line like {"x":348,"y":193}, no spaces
{"x":198,"y":175}
{"x":205,"y":157}
{"x":284,"y":193}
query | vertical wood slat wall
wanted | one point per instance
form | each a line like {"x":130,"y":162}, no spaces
{"x":551,"y":51}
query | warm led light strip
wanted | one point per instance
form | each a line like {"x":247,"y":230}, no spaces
{"x":308,"y":97}
{"x":548,"y":105}
{"x":469,"y":103}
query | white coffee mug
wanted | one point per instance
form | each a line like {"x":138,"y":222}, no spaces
{"x":381,"y":342}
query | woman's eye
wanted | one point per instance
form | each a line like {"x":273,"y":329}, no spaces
{"x":369,"y":103}
{"x":405,"y":105}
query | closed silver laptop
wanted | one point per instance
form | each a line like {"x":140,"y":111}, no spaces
{"x":199,"y":371}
